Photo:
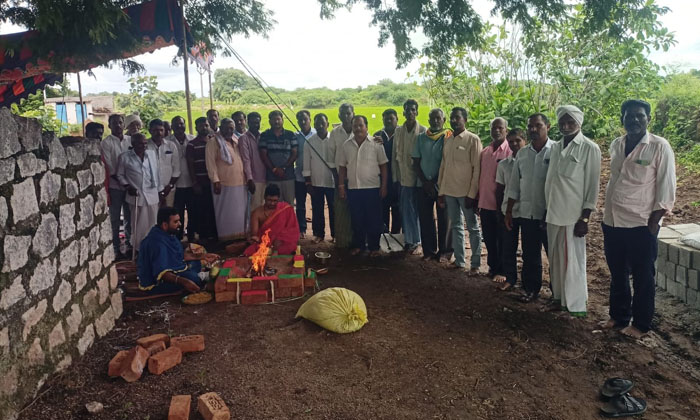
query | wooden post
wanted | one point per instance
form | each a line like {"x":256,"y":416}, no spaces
{"x":82,"y":109}
{"x":201,"y":88}
{"x":187,"y":72}
{"x":211,"y":92}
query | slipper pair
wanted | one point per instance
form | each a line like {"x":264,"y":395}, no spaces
{"x":619,"y":403}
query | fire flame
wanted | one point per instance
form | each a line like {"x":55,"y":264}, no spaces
{"x":260,"y":257}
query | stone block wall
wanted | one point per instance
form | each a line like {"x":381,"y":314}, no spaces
{"x":58,"y":283}
{"x":677,"y":265}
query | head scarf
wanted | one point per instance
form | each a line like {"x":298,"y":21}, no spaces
{"x":445,"y":132}
{"x":573,"y":112}
{"x":131,"y":118}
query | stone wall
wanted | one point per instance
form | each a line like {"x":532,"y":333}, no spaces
{"x":677,"y":265}
{"x":58,"y":283}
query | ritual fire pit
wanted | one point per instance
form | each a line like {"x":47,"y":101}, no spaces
{"x":262,"y":277}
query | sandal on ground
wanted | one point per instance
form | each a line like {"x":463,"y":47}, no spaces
{"x":615,"y":387}
{"x":623,"y":406}
{"x":355,"y":251}
{"x":528,"y":297}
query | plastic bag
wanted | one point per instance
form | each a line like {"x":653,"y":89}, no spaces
{"x":335,"y":309}
{"x":692,"y":240}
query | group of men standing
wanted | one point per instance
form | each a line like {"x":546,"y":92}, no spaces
{"x":425,"y":182}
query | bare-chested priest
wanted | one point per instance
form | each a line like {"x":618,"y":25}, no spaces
{"x":278,"y":219}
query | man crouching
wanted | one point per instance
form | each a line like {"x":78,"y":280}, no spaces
{"x":164,"y":267}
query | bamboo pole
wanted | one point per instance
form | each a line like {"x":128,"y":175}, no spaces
{"x":82,"y":109}
{"x":211,"y":92}
{"x":187,"y":72}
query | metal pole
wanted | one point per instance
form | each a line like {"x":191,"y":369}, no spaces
{"x":211,"y":92}
{"x":82,"y":109}
{"x":187,"y":72}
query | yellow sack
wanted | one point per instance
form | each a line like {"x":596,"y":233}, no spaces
{"x":336,"y":309}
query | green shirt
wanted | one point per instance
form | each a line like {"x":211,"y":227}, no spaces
{"x":430,"y":153}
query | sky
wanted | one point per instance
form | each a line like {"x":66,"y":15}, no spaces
{"x":304,"y":51}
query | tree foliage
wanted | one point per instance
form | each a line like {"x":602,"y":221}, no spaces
{"x":516,"y":72}
{"x":229,"y":84}
{"x":145,"y":99}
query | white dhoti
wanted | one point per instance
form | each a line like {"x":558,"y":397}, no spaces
{"x":567,"y":268}
{"x":142,"y":220}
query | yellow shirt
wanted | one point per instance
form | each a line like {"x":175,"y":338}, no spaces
{"x":461,"y":164}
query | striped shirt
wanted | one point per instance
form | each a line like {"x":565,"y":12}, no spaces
{"x":196,"y":154}
{"x":279,"y":149}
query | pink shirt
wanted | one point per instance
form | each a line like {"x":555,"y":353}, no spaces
{"x":640,"y":183}
{"x":487,"y":179}
{"x":252,"y":163}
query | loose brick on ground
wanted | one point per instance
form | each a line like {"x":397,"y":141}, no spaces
{"x":166,"y":359}
{"x":115,"y":365}
{"x":134,"y":363}
{"x":146,"y":342}
{"x":188,"y":343}
{"x":156,"y":347}
{"x":212,"y":407}
{"x":252,"y":297}
{"x":180,"y":407}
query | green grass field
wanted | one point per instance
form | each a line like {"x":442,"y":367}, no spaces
{"x":373,"y":114}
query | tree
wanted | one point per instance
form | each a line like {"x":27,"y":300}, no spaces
{"x":450,"y":24}
{"x":89,"y":28}
{"x":230,"y":83}
{"x":145,"y":99}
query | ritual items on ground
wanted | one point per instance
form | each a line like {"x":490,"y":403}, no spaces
{"x":336,"y":309}
{"x":197,"y":298}
{"x":263,"y":278}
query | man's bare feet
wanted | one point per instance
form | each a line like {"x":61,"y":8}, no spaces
{"x":499,"y":278}
{"x":474,"y":272}
{"x":375,"y":254}
{"x":355,"y":251}
{"x":607,"y":325}
{"x":633,"y":332}
{"x":505,"y":286}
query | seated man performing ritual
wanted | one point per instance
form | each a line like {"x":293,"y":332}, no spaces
{"x":164,"y":267}
{"x":278,"y":219}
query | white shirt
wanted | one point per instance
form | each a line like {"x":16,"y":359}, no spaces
{"x":503,"y":171}
{"x":640,"y":183}
{"x":185,"y":180}
{"x":299,"y":163}
{"x":527,"y":180}
{"x":168,"y":160}
{"x":362,"y":162}
{"x":573,"y":180}
{"x":111,"y":148}
{"x":337,"y":137}
{"x":142,"y":175}
{"x":313,"y":165}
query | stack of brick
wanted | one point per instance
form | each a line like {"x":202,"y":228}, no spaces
{"x":58,"y":284}
{"x":159,"y":352}
{"x":677,"y":265}
{"x":231,"y":287}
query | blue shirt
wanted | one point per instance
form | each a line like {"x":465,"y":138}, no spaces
{"x":279,"y":149}
{"x":299,"y":166}
{"x":430,"y":153}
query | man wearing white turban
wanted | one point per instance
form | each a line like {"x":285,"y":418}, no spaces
{"x":571,"y":194}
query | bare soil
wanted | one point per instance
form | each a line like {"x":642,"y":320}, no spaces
{"x":438,"y":345}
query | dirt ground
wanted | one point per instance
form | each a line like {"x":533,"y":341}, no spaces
{"x":437,"y":345}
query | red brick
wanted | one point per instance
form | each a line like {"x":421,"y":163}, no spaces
{"x":220,"y":285}
{"x":115,"y":365}
{"x":298,"y":270}
{"x":252,"y":297}
{"x":245,"y":285}
{"x":225,"y":296}
{"x":134,"y":363}
{"x":290,"y":282}
{"x":166,"y":359}
{"x":309,"y":282}
{"x":260,"y":284}
{"x":297,"y":291}
{"x":283,"y":292}
{"x":212,"y":407}
{"x":180,"y":407}
{"x":146,"y":342}
{"x":188,"y":343}
{"x":156,"y":347}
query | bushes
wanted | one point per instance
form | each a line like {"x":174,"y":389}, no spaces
{"x":677,"y":113}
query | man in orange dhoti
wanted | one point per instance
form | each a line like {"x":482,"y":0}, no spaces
{"x":278,"y":219}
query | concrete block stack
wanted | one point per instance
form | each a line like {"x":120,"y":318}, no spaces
{"x":57,"y":277}
{"x":678,"y":265}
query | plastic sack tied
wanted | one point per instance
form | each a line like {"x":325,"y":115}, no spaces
{"x":335,"y":309}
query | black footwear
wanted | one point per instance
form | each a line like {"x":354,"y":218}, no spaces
{"x":615,"y":387}
{"x":624,"y":406}
{"x":528,"y":297}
